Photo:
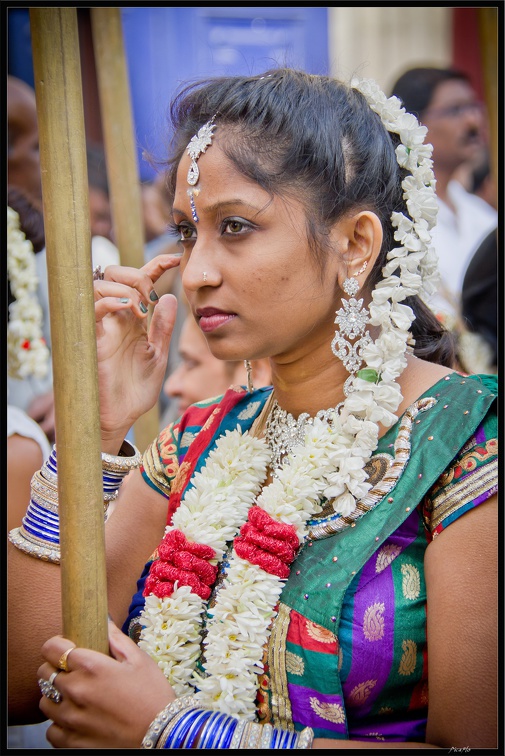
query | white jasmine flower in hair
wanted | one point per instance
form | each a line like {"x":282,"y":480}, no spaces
{"x":423,"y":204}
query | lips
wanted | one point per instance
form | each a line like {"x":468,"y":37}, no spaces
{"x":210,"y":318}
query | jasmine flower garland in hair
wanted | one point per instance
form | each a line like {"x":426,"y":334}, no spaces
{"x":27,"y":353}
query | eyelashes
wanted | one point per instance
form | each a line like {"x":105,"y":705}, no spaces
{"x":230,"y":227}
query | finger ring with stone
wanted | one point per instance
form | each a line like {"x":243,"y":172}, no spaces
{"x":49,"y":691}
{"x":63,"y":660}
{"x":98,"y":273}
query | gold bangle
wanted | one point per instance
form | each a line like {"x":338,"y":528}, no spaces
{"x":34,"y":548}
{"x":122,"y":462}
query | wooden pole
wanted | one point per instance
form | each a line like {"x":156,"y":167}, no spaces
{"x":121,"y":160}
{"x":58,"y":90}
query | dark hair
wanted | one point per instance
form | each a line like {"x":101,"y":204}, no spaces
{"x":97,"y":169}
{"x":416,"y":87}
{"x":31,"y":220}
{"x":311,"y":137}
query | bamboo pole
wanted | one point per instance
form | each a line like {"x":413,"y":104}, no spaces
{"x":121,"y":161}
{"x":60,"y":114}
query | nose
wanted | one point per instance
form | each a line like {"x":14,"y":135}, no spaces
{"x":174,"y":383}
{"x":200,"y":268}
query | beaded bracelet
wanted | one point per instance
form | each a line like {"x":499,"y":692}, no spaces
{"x":39,"y":533}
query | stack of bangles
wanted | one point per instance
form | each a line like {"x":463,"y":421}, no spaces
{"x":39,"y":534}
{"x":184,"y":724}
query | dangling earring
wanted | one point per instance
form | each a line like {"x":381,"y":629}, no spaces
{"x":352,"y":319}
{"x":248,"y":367}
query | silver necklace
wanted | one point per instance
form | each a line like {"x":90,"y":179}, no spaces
{"x":283,"y":432}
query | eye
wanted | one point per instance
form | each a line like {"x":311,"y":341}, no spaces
{"x":185,"y":231}
{"x":235,"y":226}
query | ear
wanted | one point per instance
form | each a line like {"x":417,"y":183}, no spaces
{"x":261,"y":372}
{"x":359,"y":240}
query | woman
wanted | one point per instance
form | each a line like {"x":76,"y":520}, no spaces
{"x":314,"y":541}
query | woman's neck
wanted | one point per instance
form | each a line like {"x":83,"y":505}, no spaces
{"x":309,"y":384}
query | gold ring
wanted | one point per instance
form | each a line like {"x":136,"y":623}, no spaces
{"x":62,"y":662}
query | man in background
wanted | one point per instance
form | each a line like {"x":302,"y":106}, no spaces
{"x":445,"y":102}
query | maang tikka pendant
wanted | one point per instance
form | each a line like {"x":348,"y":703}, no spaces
{"x":351,"y":319}
{"x":196,"y":147}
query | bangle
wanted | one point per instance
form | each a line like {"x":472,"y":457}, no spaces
{"x":162,"y":719}
{"x":39,"y":533}
{"x":305,"y":738}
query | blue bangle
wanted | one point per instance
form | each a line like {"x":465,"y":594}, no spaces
{"x":195,"y":728}
{"x":177,"y":734}
{"x":212,"y":730}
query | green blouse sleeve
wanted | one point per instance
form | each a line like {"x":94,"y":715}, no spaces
{"x":470,"y":479}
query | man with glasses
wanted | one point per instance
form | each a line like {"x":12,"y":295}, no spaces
{"x":446,"y":103}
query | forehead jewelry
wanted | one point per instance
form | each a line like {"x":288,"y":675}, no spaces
{"x":196,"y":147}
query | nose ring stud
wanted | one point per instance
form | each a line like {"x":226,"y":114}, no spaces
{"x":204,"y":276}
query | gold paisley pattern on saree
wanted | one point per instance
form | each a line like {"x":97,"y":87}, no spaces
{"x":330,"y":711}
{"x":187,"y":438}
{"x":319,"y":633}
{"x":373,"y":622}
{"x":386,"y":555}
{"x":409,"y":657}
{"x":411,"y":582}
{"x":249,"y":411}
{"x":294,"y":663}
{"x":180,"y":478}
{"x":360,"y":692}
{"x":215,"y":412}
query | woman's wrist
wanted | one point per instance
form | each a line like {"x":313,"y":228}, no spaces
{"x":112,"y":443}
{"x":185,"y":724}
{"x":39,"y":533}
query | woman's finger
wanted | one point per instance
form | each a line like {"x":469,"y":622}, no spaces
{"x":160,"y":264}
{"x":114,"y":304}
{"x":162,"y":323}
{"x":142,"y":279}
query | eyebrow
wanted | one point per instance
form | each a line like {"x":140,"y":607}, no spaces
{"x":220,"y":206}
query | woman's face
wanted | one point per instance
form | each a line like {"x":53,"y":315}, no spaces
{"x":262,"y":294}
{"x":199,"y":374}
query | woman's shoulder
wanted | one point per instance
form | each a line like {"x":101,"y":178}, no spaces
{"x":420,"y":377}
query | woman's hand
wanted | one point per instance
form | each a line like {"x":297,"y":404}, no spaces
{"x":106,"y":702}
{"x":132,"y":358}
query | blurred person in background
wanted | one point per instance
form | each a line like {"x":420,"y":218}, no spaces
{"x":446,"y":103}
{"x":23,"y":161}
{"x":200,"y":375}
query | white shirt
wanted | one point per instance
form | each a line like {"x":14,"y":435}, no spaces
{"x":456,"y":237}
{"x":20,"y":424}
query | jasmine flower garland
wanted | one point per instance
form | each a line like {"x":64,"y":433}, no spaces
{"x":27,"y":353}
{"x":329,"y":464}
